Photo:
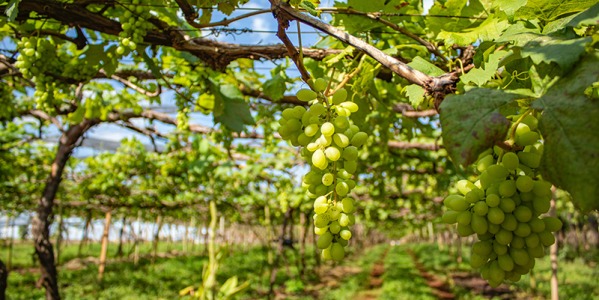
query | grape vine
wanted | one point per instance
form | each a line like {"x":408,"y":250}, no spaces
{"x":330,"y":143}
{"x":503,"y":206}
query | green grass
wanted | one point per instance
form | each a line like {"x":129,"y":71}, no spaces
{"x":351,"y":285}
{"x":402,"y":280}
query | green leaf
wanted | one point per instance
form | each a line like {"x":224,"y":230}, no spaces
{"x":233,"y":112}
{"x":549,"y":10}
{"x":415,"y":93}
{"x":480,"y":76}
{"x":548,"y":49}
{"x":587,"y":17}
{"x":472,"y":122}
{"x":309,"y":7}
{"x":425,"y":66}
{"x":12,"y":9}
{"x":488,"y":30}
{"x":452,"y":8}
{"x":274,"y":87}
{"x":509,"y":7}
{"x":569,"y":125}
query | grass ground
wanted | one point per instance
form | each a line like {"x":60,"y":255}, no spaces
{"x":381,"y":272}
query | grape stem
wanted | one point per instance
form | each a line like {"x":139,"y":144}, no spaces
{"x":345,"y":80}
{"x":518,"y":121}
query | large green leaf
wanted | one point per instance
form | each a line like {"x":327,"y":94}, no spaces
{"x":588,"y":17}
{"x":230,"y":108}
{"x":473,"y":122}
{"x":480,"y":76}
{"x":548,"y":49}
{"x":12,"y":9}
{"x":425,"y":66}
{"x":570,"y":127}
{"x":488,"y":30}
{"x":549,"y":10}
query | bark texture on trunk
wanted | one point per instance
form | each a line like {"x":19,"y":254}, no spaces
{"x":40,"y":227}
{"x":104,"y":248}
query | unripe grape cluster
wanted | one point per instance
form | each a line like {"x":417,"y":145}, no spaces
{"x":37,"y":61}
{"x":330,"y":143}
{"x":503,"y":208}
{"x":135,"y":26}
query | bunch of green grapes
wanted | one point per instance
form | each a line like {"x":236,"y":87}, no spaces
{"x":135,"y":26}
{"x":37,"y":61}
{"x":330,"y":143}
{"x":503,"y":207}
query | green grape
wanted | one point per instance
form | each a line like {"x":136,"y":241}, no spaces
{"x":519,"y":256}
{"x":348,"y":205}
{"x":482,"y":248}
{"x":351,"y":106}
{"x":341,"y":140}
{"x":523,"y":214}
{"x":337,"y":252}
{"x":320,"y":85}
{"x":350,"y":153}
{"x":335,"y":227}
{"x":327,"y":179}
{"x":527,"y":138}
{"x":546,"y":238}
{"x":532,"y":240}
{"x":342,"y":189}
{"x":477,"y":261}
{"x":537,"y":225}
{"x":542,"y":188}
{"x":522,"y":230}
{"x":532,"y":160}
{"x":503,"y":237}
{"x":350,"y":166}
{"x":496,"y":273}
{"x":321,"y":220}
{"x":499,"y":249}
{"x":495,"y":215}
{"x":485,"y":162}
{"x":552,"y":224}
{"x":326,"y":254}
{"x":339,"y":96}
{"x":505,"y":262}
{"x":480,"y":208}
{"x":324,"y":241}
{"x":507,"y":188}
{"x":341,"y":123}
{"x":531,"y":122}
{"x":541,"y":205}
{"x":464,"y":218}
{"x":479,"y":224}
{"x":306,"y":95}
{"x":509,"y":222}
{"x":507,"y":205}
{"x":456,"y":202}
{"x":493,"y":228}
{"x":320,"y":231}
{"x":311,"y":130}
{"x":493,"y":200}
{"x":510,"y":161}
{"x":345,"y":234}
{"x":332,"y":153}
{"x":359,"y":139}
{"x":327,"y":129}
{"x":344,"y":220}
{"x":464,"y":230}
{"x":319,"y":159}
{"x":465,"y":186}
{"x":450,"y":217}
{"x":524,"y":184}
{"x":497,"y":172}
{"x":321,"y":205}
{"x":472,"y":196}
{"x":522,"y":129}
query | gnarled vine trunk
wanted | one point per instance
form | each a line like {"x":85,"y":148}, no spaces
{"x":40,"y":227}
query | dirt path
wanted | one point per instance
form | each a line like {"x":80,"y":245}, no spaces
{"x":440,"y":288}
{"x":375,"y":281}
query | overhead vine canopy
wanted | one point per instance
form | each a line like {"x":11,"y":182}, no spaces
{"x":428,"y":90}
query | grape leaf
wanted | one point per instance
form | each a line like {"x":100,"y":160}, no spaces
{"x":230,"y":108}
{"x":472,"y":122}
{"x":274,"y":87}
{"x":549,"y":10}
{"x":488,"y":30}
{"x":588,"y":17}
{"x":425,"y":66}
{"x":549,"y":49}
{"x":415,"y":93}
{"x":12,"y":10}
{"x":569,"y":125}
{"x":480,"y":76}
{"x":509,"y":7}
